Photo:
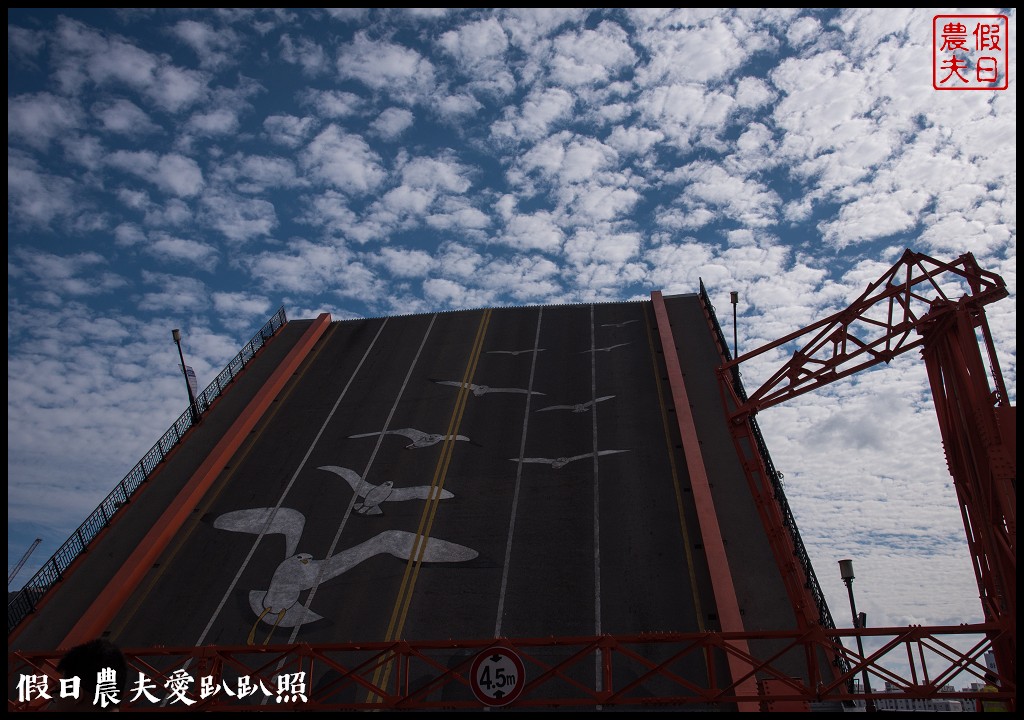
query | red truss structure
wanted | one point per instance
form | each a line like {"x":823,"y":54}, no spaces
{"x":937,"y":307}
{"x":559,"y":672}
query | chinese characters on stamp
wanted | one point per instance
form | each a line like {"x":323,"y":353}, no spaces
{"x":970,"y":52}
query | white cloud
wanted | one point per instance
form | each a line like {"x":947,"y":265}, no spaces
{"x":476,"y":44}
{"x":213,"y":45}
{"x":443,"y":292}
{"x":38,"y":118}
{"x":344,"y":161}
{"x":537,"y":231}
{"x":385,"y":66}
{"x":222,"y":121}
{"x":697,"y":46}
{"x":257,"y":173}
{"x":452,"y":107}
{"x":128,"y":234}
{"x":685,"y":113}
{"x":752,"y":92}
{"x":747,"y":201}
{"x":392,"y":122}
{"x":175,"y":89}
{"x":457,"y":214}
{"x":172,"y":173}
{"x":288,"y":130}
{"x":124,"y":117}
{"x":459,"y":261}
{"x":591,"y":56}
{"x":76,"y":275}
{"x":634,"y":140}
{"x":539,"y":112}
{"x":528,"y":27}
{"x":586,"y":246}
{"x":874,"y":216}
{"x":302,"y":266}
{"x":333,"y":103}
{"x":304,"y":52}
{"x":176,"y":293}
{"x":436,"y":174}
{"x":86,"y":55}
{"x":404,"y":262}
{"x":25,"y":44}
{"x":525,"y":279}
{"x":804,"y":30}
{"x":239,"y":219}
{"x":34,"y":197}
{"x":595,"y":202}
{"x":170,"y":249}
{"x":241,"y":303}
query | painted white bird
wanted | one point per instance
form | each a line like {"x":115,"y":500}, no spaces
{"x":373,"y":495}
{"x":297,"y":573}
{"x":619,"y":324}
{"x":604,"y":349}
{"x":419,"y":438}
{"x":479,"y":390}
{"x":578,"y":407}
{"x":513,"y":352}
{"x":563,"y":461}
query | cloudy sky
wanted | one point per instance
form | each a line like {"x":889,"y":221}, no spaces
{"x":199,"y":169}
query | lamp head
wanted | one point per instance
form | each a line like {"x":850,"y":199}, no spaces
{"x":176,"y":334}
{"x":846,"y":569}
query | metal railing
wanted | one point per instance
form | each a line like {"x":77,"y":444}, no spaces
{"x":774,"y":475}
{"x":646,"y":671}
{"x":53,"y":569}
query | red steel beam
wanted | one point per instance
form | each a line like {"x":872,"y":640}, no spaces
{"x":109,"y":601}
{"x":718,"y":561}
{"x":640,"y":670}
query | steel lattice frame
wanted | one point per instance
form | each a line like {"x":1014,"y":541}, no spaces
{"x":912,"y":306}
{"x":637,"y":670}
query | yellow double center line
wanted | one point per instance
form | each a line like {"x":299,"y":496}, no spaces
{"x":412,"y":568}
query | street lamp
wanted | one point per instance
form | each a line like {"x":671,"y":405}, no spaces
{"x":196,"y":418}
{"x":846,"y":572}
{"x":735,"y":297}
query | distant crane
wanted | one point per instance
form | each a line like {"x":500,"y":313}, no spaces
{"x":21,"y":563}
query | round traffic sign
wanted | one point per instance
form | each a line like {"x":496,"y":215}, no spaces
{"x":498,"y":676}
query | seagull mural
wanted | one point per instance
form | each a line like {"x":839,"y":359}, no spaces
{"x":563,"y":461}
{"x":578,"y":407}
{"x":373,"y":495}
{"x":479,"y":390}
{"x":624,"y":323}
{"x":419,"y":438}
{"x":514,"y":352}
{"x":604,"y":349}
{"x":279,"y":605}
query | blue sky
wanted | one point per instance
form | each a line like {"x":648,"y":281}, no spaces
{"x":198,"y":169}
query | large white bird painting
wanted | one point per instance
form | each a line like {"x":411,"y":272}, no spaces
{"x":419,"y":438}
{"x":479,"y":390}
{"x":370,"y":496}
{"x":279,"y":605}
{"x":560,"y":462}
{"x":578,"y":407}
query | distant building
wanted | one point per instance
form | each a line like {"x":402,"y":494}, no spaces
{"x":916,"y":705}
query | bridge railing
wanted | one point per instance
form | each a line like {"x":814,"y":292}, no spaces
{"x":775,"y":476}
{"x":651,"y":670}
{"x":53,"y":569}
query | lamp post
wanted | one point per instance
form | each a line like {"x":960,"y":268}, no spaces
{"x":196,"y":418}
{"x":846,"y":571}
{"x":735,"y":297}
